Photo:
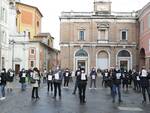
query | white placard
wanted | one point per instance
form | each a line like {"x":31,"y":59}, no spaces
{"x":0,"y":78}
{"x":57,"y":76}
{"x":137,"y":78}
{"x":118,"y":75}
{"x":93,"y":77}
{"x":144,"y":73}
{"x":78,"y":73}
{"x":11,"y":74}
{"x":23,"y":75}
{"x":67,"y":74}
{"x":83,"y":77}
{"x":49,"y":77}
{"x":106,"y":74}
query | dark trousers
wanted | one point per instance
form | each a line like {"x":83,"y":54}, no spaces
{"x":125,"y":85}
{"x":35,"y":92}
{"x":57,"y":86}
{"x":66,"y":82}
{"x":115,"y":90}
{"x":144,"y":89}
{"x":93,"y":81}
{"x":82,"y":89}
{"x":75,"y":87}
{"x":49,"y":84}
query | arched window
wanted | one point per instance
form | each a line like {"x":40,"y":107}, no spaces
{"x":81,"y":53}
{"x":123,"y":53}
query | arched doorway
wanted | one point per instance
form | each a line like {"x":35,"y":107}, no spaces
{"x":142,"y":57}
{"x":124,"y":60}
{"x":81,"y":60}
{"x":102,"y":60}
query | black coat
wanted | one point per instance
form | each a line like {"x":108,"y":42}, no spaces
{"x":3,"y":78}
{"x":10,"y":76}
{"x":22,"y":76}
{"x":144,"y":81}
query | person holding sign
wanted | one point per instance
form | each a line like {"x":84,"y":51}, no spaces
{"x":3,"y":83}
{"x":22,"y":80}
{"x":116,"y":84}
{"x":77,"y":73}
{"x":50,"y":80}
{"x":66,"y":75}
{"x":93,"y":76}
{"x":10,"y":79}
{"x":144,"y":80}
{"x":35,"y":85}
{"x":82,"y":82}
{"x":57,"y":82}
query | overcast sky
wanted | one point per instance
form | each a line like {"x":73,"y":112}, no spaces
{"x":51,"y":10}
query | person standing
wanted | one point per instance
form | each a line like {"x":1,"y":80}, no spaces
{"x":77,"y":73}
{"x":3,"y":83}
{"x":57,"y":82}
{"x":93,"y":76}
{"x":50,"y":78}
{"x":22,"y":80}
{"x":67,"y":76}
{"x":44,"y":75}
{"x":10,"y":79}
{"x":116,"y":85}
{"x":144,"y":80}
{"x":82,"y":83}
{"x":35,"y":76}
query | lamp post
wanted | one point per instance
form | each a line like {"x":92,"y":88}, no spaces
{"x":12,"y":42}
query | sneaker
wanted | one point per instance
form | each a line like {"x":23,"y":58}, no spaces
{"x":2,"y":98}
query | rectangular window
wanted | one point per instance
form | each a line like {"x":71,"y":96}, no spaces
{"x":81,"y":35}
{"x":4,"y":15}
{"x":32,"y":63}
{"x":102,"y":34}
{"x":32,"y":51}
{"x":4,"y":36}
{"x":124,"y":35}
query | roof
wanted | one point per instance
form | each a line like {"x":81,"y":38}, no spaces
{"x":35,"y":41}
{"x":44,"y":35}
{"x":30,"y":6}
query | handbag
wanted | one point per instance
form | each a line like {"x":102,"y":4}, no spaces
{"x":32,"y":81}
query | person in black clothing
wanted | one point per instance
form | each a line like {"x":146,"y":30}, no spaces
{"x":3,"y":83}
{"x":10,"y":79}
{"x":144,"y":80}
{"x":22,"y":80}
{"x":57,"y":82}
{"x":93,"y":75}
{"x":67,"y":76}
{"x":125,"y":80}
{"x":82,"y":82}
{"x":50,"y":78}
{"x":116,"y":85}
{"x":77,"y":73}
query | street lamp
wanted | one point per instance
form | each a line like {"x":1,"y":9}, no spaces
{"x":12,"y":42}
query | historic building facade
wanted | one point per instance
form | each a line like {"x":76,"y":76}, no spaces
{"x":144,"y":36}
{"x":100,"y":39}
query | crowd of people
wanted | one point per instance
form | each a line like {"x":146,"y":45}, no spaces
{"x":113,"y":78}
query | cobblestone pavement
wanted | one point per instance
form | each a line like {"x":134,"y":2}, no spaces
{"x":98,"y":101}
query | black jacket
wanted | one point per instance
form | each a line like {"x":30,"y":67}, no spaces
{"x":22,"y":76}
{"x":80,"y":81}
{"x":10,"y":76}
{"x":3,"y":78}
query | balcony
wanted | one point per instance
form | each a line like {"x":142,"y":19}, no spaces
{"x":103,"y":41}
